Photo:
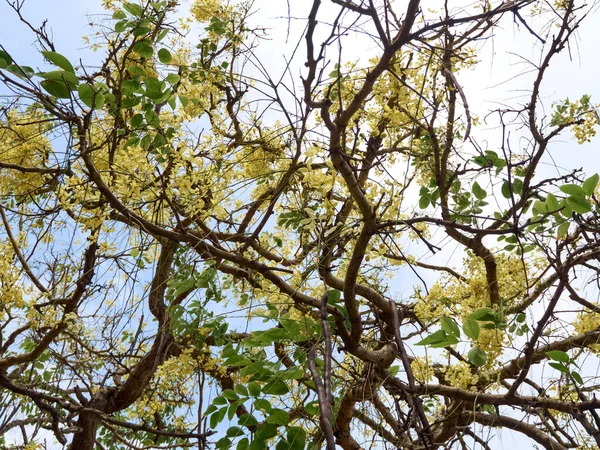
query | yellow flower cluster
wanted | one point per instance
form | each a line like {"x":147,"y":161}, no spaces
{"x":204,"y":10}
{"x":210,"y":364}
{"x":322,"y":180}
{"x":175,"y":380}
{"x":175,"y":371}
{"x":492,"y":342}
{"x":453,"y":297}
{"x":421,"y":369}
{"x":146,"y":406}
{"x":586,"y":322}
{"x":23,"y":142}
{"x":460,"y":375}
{"x":295,"y":314}
{"x":11,"y":293}
{"x":580,"y":114}
{"x":49,"y":317}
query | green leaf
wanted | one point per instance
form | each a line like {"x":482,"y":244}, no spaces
{"x":478,"y":191}
{"x":235,"y":432}
{"x":141,"y":31}
{"x":296,"y":437}
{"x":450,"y":326}
{"x":258,"y":444}
{"x":173,"y":78}
{"x":223,"y":443}
{"x":153,"y":84}
{"x":159,"y":97}
{"x":590,"y":184}
{"x":558,"y":355}
{"x":144,"y":49}
{"x":275,"y":387}
{"x":450,"y":340}
{"x":24,"y":72}
{"x":254,"y":388}
{"x":61,"y":76}
{"x":438,"y":336}
{"x":121,"y":26}
{"x":56,"y":88}
{"x":230,"y":394}
{"x":471,"y":328}
{"x":220,"y":401}
{"x":293,"y":373}
{"x":136,"y":70}
{"x":89,"y":97}
{"x":216,"y":418}
{"x":423,"y":202}
{"x":483,"y":314}
{"x":5,"y":59}
{"x":164,"y":56}
{"x":439,"y":339}
{"x":243,"y":444}
{"x":136,"y":121}
{"x":247,"y":420}
{"x":539,"y":207}
{"x":506,"y":192}
{"x":312,"y":408}
{"x":152,"y":118}
{"x":133,"y":9}
{"x":241,"y":390}
{"x":263,"y":404}
{"x":552,"y":203}
{"x":119,"y":15}
{"x":577,"y":377}
{"x":59,"y":60}
{"x":579,"y":204}
{"x":333,"y":296}
{"x":109,"y":98}
{"x":162,"y":35}
{"x":517,"y":186}
{"x":574,"y":190}
{"x":266,"y":431}
{"x":559,"y":366}
{"x":129,"y":87}
{"x":282,"y":444}
{"x":278,"y":417}
{"x":566,"y":210}
{"x":563,"y":230}
{"x":477,"y":356}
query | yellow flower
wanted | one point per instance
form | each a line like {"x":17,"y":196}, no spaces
{"x":204,"y":10}
{"x":460,"y":376}
{"x":421,"y":369}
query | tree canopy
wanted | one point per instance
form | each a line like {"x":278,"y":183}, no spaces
{"x":200,"y":251}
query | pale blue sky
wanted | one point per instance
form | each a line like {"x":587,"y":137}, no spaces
{"x":68,"y":21}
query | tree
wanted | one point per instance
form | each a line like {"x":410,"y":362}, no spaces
{"x":197,"y":253}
